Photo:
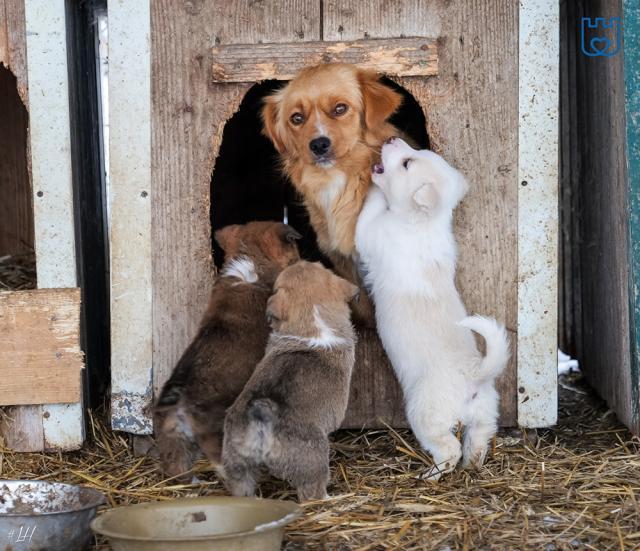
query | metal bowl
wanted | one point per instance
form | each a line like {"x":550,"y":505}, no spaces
{"x":211,"y":523}
{"x":36,"y":515}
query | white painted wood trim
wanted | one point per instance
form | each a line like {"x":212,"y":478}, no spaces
{"x":130,"y":214}
{"x":49,"y":128}
{"x":538,"y":213}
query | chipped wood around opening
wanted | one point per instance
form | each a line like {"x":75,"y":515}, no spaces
{"x":257,"y":62}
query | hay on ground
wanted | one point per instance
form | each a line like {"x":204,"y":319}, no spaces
{"x":576,"y":486}
{"x":17,"y":272}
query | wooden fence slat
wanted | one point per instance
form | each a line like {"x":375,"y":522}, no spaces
{"x":257,"y":62}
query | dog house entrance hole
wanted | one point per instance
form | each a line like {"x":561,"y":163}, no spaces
{"x":247,"y":183}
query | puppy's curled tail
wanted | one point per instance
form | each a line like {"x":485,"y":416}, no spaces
{"x":262,"y":411}
{"x":498,"y":353}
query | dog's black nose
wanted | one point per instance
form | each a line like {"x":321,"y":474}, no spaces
{"x":319,"y":146}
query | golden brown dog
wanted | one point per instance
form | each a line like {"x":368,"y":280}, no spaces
{"x":328,"y":125}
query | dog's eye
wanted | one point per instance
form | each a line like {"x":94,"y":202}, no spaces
{"x":340,"y":109}
{"x":297,"y":118}
{"x":406,"y":162}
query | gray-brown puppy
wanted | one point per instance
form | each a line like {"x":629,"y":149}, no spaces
{"x":189,"y":413}
{"x":299,"y":391}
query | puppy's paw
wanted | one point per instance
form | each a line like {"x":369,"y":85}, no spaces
{"x":433,"y":474}
{"x":474,"y":458}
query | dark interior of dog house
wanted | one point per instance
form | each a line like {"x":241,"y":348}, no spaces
{"x":16,"y":219}
{"x":247,"y":183}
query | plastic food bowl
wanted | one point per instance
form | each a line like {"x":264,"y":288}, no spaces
{"x":211,"y":523}
{"x":38,"y":515}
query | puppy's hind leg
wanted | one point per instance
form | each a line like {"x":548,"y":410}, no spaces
{"x":208,"y":432}
{"x":175,"y":445}
{"x":315,"y":486}
{"x":481,"y":427}
{"x":304,"y":463}
{"x":238,"y":476}
{"x":433,"y":431}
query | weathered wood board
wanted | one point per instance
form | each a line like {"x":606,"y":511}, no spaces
{"x":50,"y":146}
{"x":257,"y":62}
{"x":130,"y":196}
{"x":40,"y":356}
{"x":16,"y":210}
{"x":600,"y":208}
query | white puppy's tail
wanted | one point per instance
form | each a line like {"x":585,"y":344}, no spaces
{"x":497,"y":354}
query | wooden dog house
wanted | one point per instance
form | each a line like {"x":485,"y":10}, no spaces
{"x":485,"y":76}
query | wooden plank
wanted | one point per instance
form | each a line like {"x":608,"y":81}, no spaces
{"x":601,"y":203}
{"x":471,"y":110}
{"x":538,"y":214}
{"x":40,"y":356}
{"x":188,"y":118}
{"x":23,"y":428}
{"x":631,"y":17}
{"x":376,"y":398}
{"x":257,"y":62}
{"x":569,"y":320}
{"x":130,"y":193}
{"x":13,"y":51}
{"x":16,"y":211}
{"x":52,"y":188}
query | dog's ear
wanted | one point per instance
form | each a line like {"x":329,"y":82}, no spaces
{"x":426,"y":198}
{"x":270,"y":127}
{"x":288,"y":234}
{"x":380,"y":101}
{"x":276,"y":309}
{"x":228,"y":237}
{"x":348,"y":289}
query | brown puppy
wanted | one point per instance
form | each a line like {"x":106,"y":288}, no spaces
{"x":298,"y":393}
{"x":189,"y":413}
{"x":328,"y":124}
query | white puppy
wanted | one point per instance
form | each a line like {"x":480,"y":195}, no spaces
{"x":405,"y":241}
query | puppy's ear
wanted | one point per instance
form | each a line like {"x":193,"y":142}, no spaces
{"x":228,"y":237}
{"x":276,"y":309}
{"x":380,"y":101}
{"x":349,"y":290}
{"x":289,"y":235}
{"x":426,"y":198}
{"x":270,"y":115}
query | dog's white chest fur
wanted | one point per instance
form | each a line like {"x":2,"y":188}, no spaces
{"x":331,"y":191}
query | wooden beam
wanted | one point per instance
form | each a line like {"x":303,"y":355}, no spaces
{"x":40,"y":357}
{"x":399,"y":57}
{"x":54,"y":221}
{"x":538,"y":214}
{"x":130,"y":192}
{"x":630,"y":413}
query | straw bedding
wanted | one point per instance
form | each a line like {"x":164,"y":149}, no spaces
{"x":576,"y":486}
{"x":17,"y":272}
